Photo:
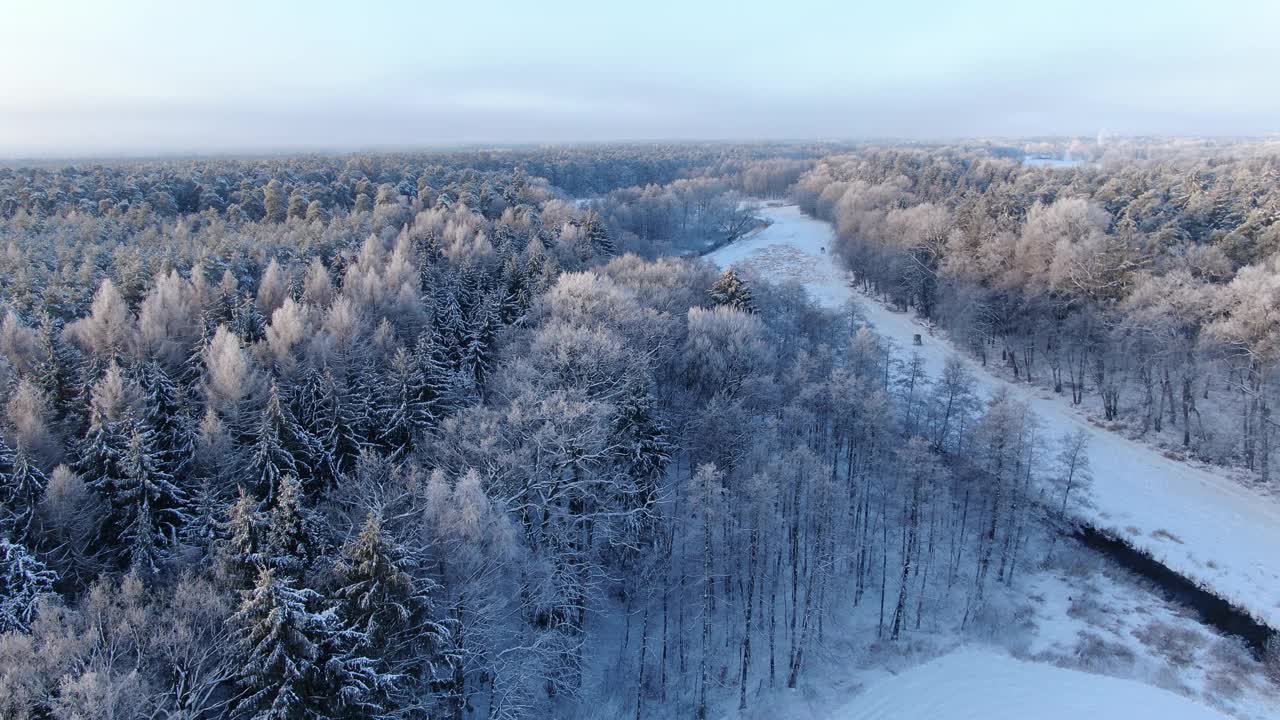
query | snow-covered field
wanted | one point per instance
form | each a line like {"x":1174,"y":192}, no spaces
{"x":974,"y":684}
{"x":1195,"y":520}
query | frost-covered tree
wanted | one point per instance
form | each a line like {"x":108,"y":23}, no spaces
{"x":404,"y":404}
{"x":481,"y":335}
{"x":272,"y":288}
{"x":389,"y":613}
{"x":731,"y":291}
{"x":284,"y":647}
{"x":280,"y":447}
{"x":109,"y":330}
{"x":151,"y":508}
{"x":326,"y":409}
{"x":70,"y":517}
{"x":240,"y":550}
{"x":23,"y":579}
{"x":22,"y":486}
{"x":274,"y":202}
{"x":169,"y":320}
{"x":28,"y":416}
{"x":292,"y":535}
{"x":230,"y":379}
{"x":163,"y":411}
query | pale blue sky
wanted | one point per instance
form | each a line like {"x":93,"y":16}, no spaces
{"x":133,"y":76}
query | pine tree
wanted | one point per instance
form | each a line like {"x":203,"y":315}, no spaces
{"x":388,"y":612}
{"x":730,"y":290}
{"x":22,"y":485}
{"x":23,"y":579}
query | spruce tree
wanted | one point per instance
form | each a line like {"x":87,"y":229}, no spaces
{"x":328,"y":412}
{"x":248,"y":322}
{"x":101,"y":465}
{"x":22,"y":485}
{"x":292,"y":537}
{"x":281,"y":647}
{"x":23,"y":579}
{"x":597,"y":234}
{"x":145,"y":497}
{"x":730,"y":290}
{"x":481,"y":336}
{"x":515,"y":291}
{"x":55,"y":370}
{"x":240,"y":551}
{"x":389,"y":614}
{"x":164,"y":413}
{"x":439,"y":381}
{"x":280,"y":447}
{"x":641,"y":442}
{"x":404,"y":408}
{"x":449,"y":326}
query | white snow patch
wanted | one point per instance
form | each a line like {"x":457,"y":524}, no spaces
{"x":1195,"y":520}
{"x":974,"y":684}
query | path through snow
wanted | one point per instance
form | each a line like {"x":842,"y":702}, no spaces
{"x":1197,"y":522}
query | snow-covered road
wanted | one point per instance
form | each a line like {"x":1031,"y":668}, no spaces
{"x":1196,"y":521}
{"x":983,"y":685}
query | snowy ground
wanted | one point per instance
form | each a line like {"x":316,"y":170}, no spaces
{"x":984,"y":685}
{"x":1195,"y":520}
{"x":1084,"y":613}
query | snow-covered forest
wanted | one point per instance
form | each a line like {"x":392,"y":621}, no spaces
{"x":482,"y":434}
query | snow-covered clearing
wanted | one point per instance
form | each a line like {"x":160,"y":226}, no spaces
{"x":978,"y":684}
{"x":1195,"y":520}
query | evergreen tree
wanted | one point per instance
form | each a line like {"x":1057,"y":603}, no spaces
{"x":482,"y":335}
{"x":597,"y":234}
{"x":388,"y":612}
{"x":292,"y":537}
{"x":284,"y":645}
{"x":730,"y":290}
{"x":248,"y":322}
{"x":55,"y":371}
{"x":23,"y":579}
{"x":240,"y":551}
{"x":324,"y":410}
{"x":449,"y":326}
{"x":404,"y":404}
{"x":641,"y":443}
{"x":100,"y":463}
{"x":281,"y":447}
{"x":516,"y":297}
{"x":164,"y":413}
{"x":145,"y":497}
{"x":439,"y":382}
{"x":22,"y":485}
{"x":141,"y":543}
